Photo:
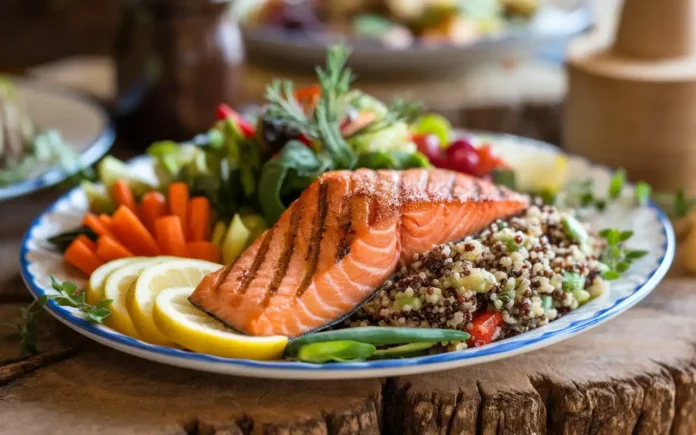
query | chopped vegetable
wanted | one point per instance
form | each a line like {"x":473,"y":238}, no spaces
{"x":337,"y":351}
{"x":573,"y":281}
{"x":170,"y":236}
{"x":434,"y":124}
{"x":642,"y":194}
{"x":199,"y":219}
{"x":97,"y":197}
{"x":179,"y":201}
{"x":218,"y":235}
{"x":617,"y":183}
{"x":82,"y":257}
{"x":486,"y":326}
{"x":106,"y":221}
{"x":92,"y":222}
{"x":130,"y":231}
{"x":203,"y":250}
{"x":225,"y":112}
{"x":152,"y":207}
{"x":123,"y":195}
{"x":379,"y":335}
{"x":108,"y":249}
{"x":574,"y":229}
{"x":235,"y":241}
{"x":111,"y":170}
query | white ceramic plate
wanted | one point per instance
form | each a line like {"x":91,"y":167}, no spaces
{"x":653,"y":233}
{"x":82,"y":123}
{"x":551,"y":27}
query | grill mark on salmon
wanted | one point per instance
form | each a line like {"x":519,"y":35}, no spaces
{"x":289,"y":250}
{"x":346,"y":235}
{"x":260,"y":256}
{"x":340,"y":240}
{"x":315,"y":242}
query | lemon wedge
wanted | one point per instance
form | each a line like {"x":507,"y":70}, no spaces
{"x":191,"y":328}
{"x":539,"y":172}
{"x":95,"y":287}
{"x":152,"y":280}
{"x":116,"y":288}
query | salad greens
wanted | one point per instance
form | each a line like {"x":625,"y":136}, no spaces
{"x":299,"y":134}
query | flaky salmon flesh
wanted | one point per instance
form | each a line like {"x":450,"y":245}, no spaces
{"x":336,"y":244}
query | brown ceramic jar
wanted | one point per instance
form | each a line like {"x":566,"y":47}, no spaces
{"x":176,"y":60}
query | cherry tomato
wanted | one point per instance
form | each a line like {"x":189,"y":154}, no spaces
{"x":428,"y":144}
{"x":462,"y":157}
{"x":224,"y":111}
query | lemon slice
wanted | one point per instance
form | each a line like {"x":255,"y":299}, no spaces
{"x":95,"y":287}
{"x":193,"y":329}
{"x":154,"y":279}
{"x":116,"y":288}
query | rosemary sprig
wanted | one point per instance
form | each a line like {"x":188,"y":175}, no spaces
{"x":323,"y":126}
{"x":68,"y":296}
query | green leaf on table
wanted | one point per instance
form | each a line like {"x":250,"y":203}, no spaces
{"x":617,"y":183}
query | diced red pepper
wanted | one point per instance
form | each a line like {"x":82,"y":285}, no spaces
{"x":226,"y":112}
{"x":485,"y":328}
{"x":304,"y":139}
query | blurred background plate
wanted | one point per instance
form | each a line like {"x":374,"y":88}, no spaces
{"x":545,"y":34}
{"x":82,"y":124}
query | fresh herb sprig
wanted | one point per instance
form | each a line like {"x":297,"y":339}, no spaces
{"x":399,"y":110}
{"x":68,"y":296}
{"x":323,"y":127}
{"x":615,"y":256}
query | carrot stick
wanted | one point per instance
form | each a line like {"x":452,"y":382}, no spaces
{"x":106,"y":220}
{"x":82,"y":257}
{"x":109,"y":249}
{"x":152,"y":207}
{"x":170,"y":236}
{"x":203,"y":250}
{"x":123,"y":195}
{"x":199,"y":219}
{"x":87,"y":241}
{"x":178,"y":201}
{"x":132,"y":233}
{"x":92,"y":222}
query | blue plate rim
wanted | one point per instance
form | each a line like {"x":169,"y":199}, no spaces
{"x":490,"y":352}
{"x":97,"y":148}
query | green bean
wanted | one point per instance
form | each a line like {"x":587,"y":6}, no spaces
{"x":403,"y":350}
{"x":339,"y":351}
{"x":378,"y":335}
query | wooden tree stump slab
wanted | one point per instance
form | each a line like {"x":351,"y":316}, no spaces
{"x":633,"y":375}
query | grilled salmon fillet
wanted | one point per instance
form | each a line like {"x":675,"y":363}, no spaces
{"x":343,"y":238}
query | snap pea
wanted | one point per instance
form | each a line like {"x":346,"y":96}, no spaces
{"x":339,"y":351}
{"x":378,"y":335}
{"x":403,"y":350}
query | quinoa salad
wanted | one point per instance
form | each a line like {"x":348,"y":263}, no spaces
{"x":515,"y":275}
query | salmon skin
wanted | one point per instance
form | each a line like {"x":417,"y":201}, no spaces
{"x":336,"y":244}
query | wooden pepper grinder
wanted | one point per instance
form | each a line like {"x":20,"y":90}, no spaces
{"x":632,"y":103}
{"x":176,"y":60}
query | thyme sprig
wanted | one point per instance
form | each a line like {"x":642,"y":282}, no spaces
{"x":68,"y":296}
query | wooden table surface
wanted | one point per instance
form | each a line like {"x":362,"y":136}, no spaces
{"x":634,"y":375}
